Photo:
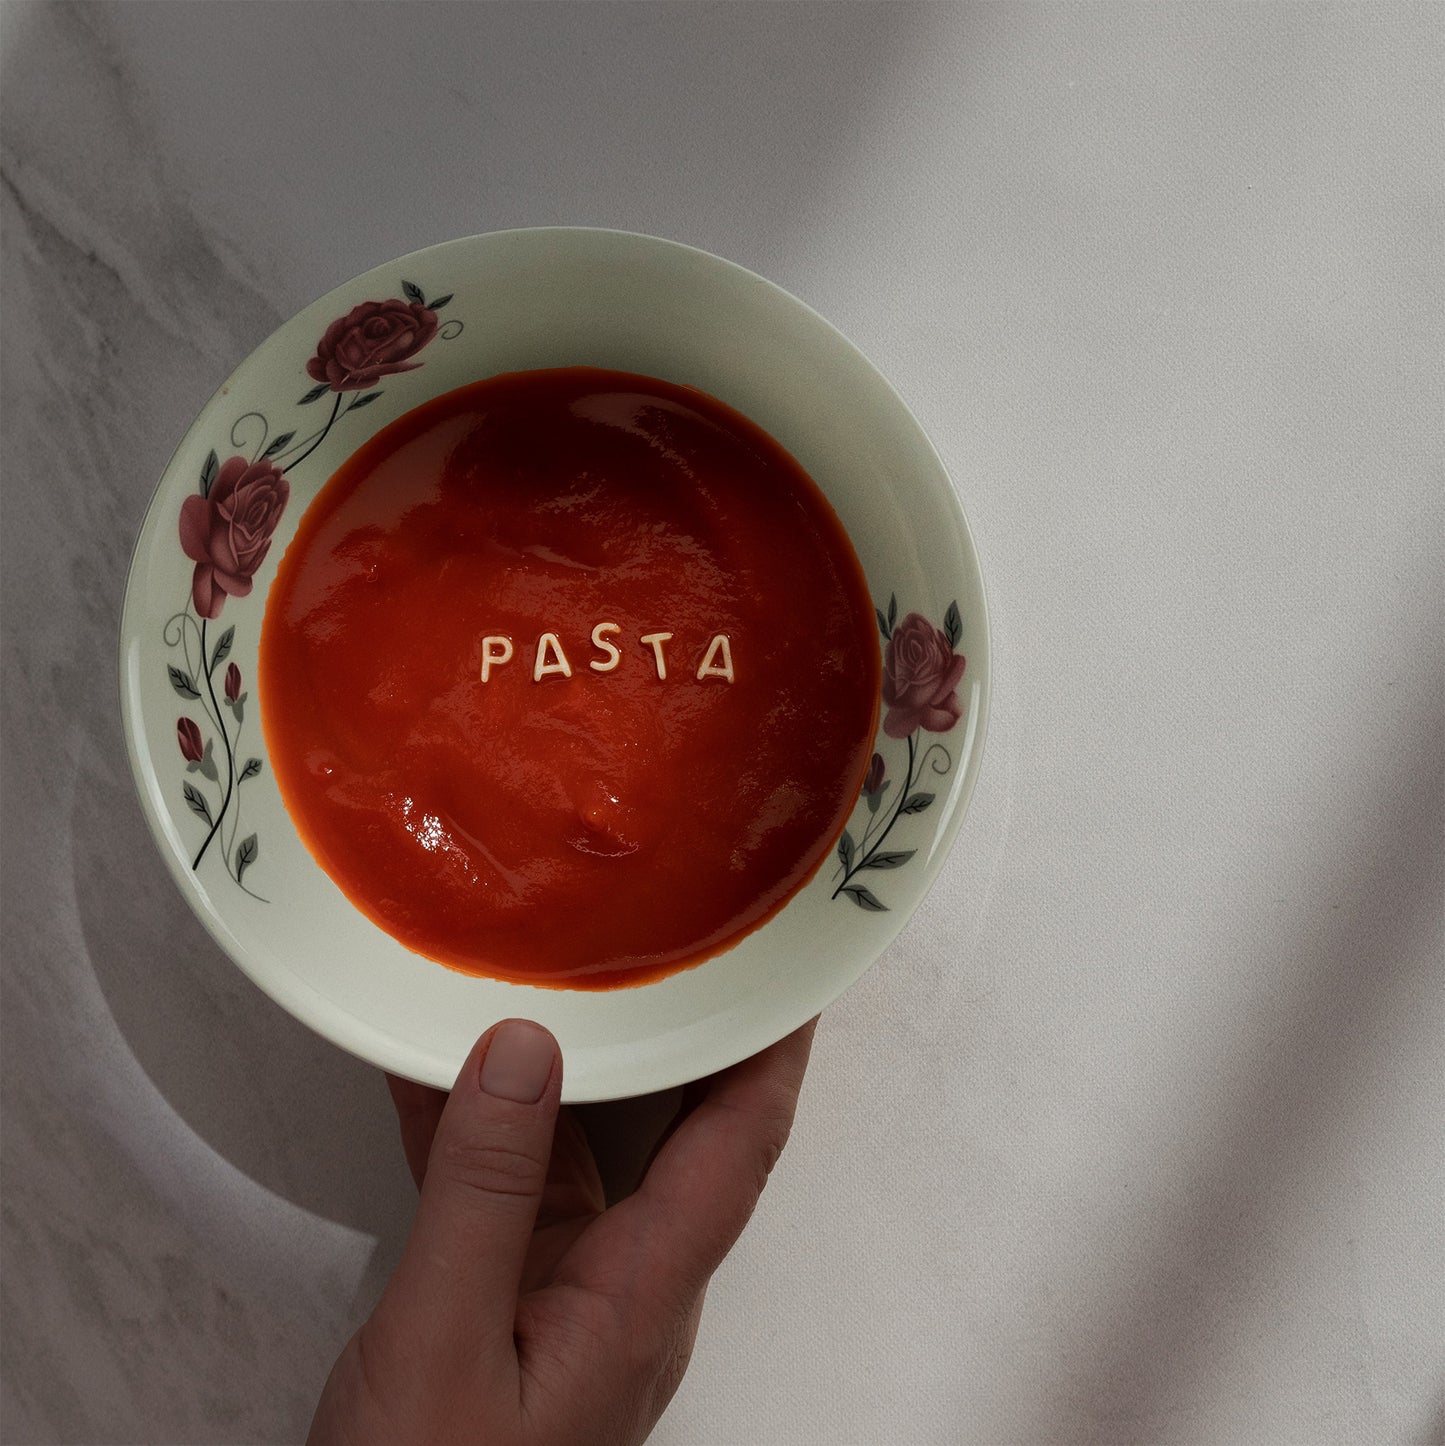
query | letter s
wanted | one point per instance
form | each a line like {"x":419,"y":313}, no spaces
{"x":614,"y":656}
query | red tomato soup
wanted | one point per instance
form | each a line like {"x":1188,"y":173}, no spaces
{"x":570,"y":677}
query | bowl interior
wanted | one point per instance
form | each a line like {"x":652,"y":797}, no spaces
{"x":513,"y":301}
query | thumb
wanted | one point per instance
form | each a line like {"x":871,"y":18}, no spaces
{"x":458,"y":1278}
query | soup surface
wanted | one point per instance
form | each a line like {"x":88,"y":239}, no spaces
{"x":570,"y":677}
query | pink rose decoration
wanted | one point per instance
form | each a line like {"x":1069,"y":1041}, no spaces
{"x":189,"y":737}
{"x":877,"y":771}
{"x":233,"y":683}
{"x":921,"y":674}
{"x":228,"y":532}
{"x":371,"y":341}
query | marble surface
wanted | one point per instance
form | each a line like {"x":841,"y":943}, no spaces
{"x":1135,"y":1133}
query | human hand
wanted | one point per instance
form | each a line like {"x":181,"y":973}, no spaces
{"x":524,"y":1311}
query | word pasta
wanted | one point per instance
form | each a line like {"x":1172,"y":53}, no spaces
{"x":551,"y":660}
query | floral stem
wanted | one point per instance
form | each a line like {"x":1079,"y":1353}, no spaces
{"x":228,"y":842}
{"x":320,"y":436}
{"x":230,"y":758}
{"x":873,"y":822}
{"x":245,"y":888}
{"x":183,"y":641}
{"x":897,"y":814}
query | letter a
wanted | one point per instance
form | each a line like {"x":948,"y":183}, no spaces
{"x":709,"y":669}
{"x":548,"y":643}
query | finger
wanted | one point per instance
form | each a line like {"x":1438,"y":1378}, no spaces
{"x":705,"y":1182}
{"x":626,"y":1135}
{"x":571,"y":1200}
{"x":418,"y":1110}
{"x":573,"y":1188}
{"x":458,"y":1277}
{"x":693,"y":1094}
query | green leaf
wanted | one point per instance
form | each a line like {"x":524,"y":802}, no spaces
{"x":952,"y":625}
{"x":875,"y":800}
{"x":278,"y":444}
{"x":413,"y":293}
{"x":864,"y":899}
{"x":183,"y":683}
{"x":888,"y":860}
{"x":892,"y":610}
{"x":315,"y":394}
{"x":252,"y":768}
{"x":207,"y":765}
{"x":223,"y":649}
{"x":246,"y":852}
{"x":916,"y":802}
{"x":845,"y":850}
{"x":208,"y":472}
{"x":196,"y":801}
{"x":363,"y":401}
{"x":440,"y":302}
{"x":882,"y":623}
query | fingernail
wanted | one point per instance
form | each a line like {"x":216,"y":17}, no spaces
{"x":518,"y":1062}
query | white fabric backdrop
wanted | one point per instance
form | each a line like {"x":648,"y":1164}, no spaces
{"x":1135,"y":1134}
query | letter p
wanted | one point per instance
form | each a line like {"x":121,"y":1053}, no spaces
{"x":495,"y":652}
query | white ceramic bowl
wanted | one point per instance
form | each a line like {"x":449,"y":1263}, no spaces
{"x":512,"y":301}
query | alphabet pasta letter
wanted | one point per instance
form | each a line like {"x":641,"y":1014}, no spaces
{"x":548,"y":644}
{"x":495,"y":652}
{"x":657,"y":640}
{"x":598,"y":641}
{"x":709,"y":668}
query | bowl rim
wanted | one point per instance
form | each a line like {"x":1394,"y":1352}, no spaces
{"x":318,"y":1011}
